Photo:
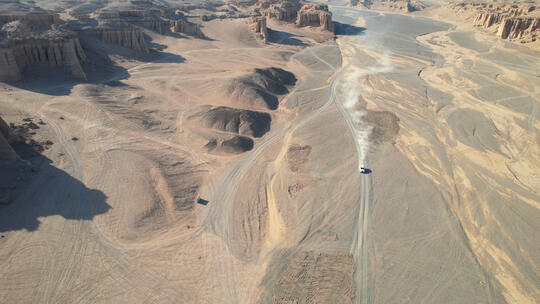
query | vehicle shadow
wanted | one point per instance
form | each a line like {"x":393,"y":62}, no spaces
{"x":37,"y":189}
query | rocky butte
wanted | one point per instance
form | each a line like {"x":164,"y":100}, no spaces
{"x":42,"y":38}
{"x":298,"y":12}
{"x":32,"y":40}
{"x":516,"y":21}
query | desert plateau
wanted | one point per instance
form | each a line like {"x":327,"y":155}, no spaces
{"x":270,"y":151}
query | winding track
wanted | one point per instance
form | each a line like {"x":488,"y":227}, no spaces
{"x":217,"y":217}
{"x":224,"y":192}
{"x":358,"y":247}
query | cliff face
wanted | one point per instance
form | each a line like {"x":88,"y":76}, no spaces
{"x":519,"y":28}
{"x":183,"y":26}
{"x":299,"y":12}
{"x":259,"y":26}
{"x":160,"y":21}
{"x":9,"y":69}
{"x":27,"y":40}
{"x":392,"y":5}
{"x":37,"y":20}
{"x":315,"y":15}
{"x":128,"y":38}
{"x":284,"y":11}
{"x":515,"y":21}
{"x":18,"y":54}
{"x":150,"y":19}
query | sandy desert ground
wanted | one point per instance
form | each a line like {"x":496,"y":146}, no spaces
{"x":444,"y":116}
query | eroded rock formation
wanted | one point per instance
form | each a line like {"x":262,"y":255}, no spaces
{"x":132,"y":38}
{"x":64,"y":52}
{"x":232,"y":129}
{"x":515,"y":21}
{"x":160,"y":21}
{"x":259,"y":26}
{"x":38,"y":39}
{"x":299,"y":12}
{"x":150,"y":19}
{"x":313,"y":14}
{"x":519,"y":28}
{"x":183,"y":26}
{"x":282,"y":10}
{"x":261,"y":88}
{"x":392,"y":5}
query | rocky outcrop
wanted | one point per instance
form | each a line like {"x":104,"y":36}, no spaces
{"x":260,"y":89}
{"x":183,"y":26}
{"x":519,"y":28}
{"x":234,"y":145}
{"x":259,"y":26}
{"x":284,"y":10}
{"x":9,"y":69}
{"x":315,"y":15}
{"x":391,"y":5}
{"x":150,"y":19}
{"x":36,"y":20}
{"x":515,"y":21}
{"x":300,"y":12}
{"x":488,"y":19}
{"x":160,"y":21}
{"x":128,"y":38}
{"x":65,"y":52}
{"x":232,"y":120}
{"x":37,"y":39}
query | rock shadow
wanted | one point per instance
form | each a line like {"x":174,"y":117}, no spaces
{"x":344,"y":29}
{"x":284,"y":38}
{"x":39,"y":190}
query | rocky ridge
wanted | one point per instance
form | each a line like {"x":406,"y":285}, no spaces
{"x":129,"y":38}
{"x":160,"y":21}
{"x":249,"y":100}
{"x":515,"y":21}
{"x":392,"y":5}
{"x":300,"y":12}
{"x":55,"y":47}
{"x":43,"y":38}
{"x":312,"y":14}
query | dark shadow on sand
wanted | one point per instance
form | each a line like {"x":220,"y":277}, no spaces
{"x":47,"y":192}
{"x":284,"y":38}
{"x":347,"y":29}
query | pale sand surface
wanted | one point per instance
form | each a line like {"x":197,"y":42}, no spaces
{"x":448,"y":214}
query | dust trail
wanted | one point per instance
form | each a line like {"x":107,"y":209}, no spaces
{"x":351,"y":94}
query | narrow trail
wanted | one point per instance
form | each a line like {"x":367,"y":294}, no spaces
{"x":358,"y":248}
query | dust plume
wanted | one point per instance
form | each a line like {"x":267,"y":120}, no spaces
{"x":350,"y":86}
